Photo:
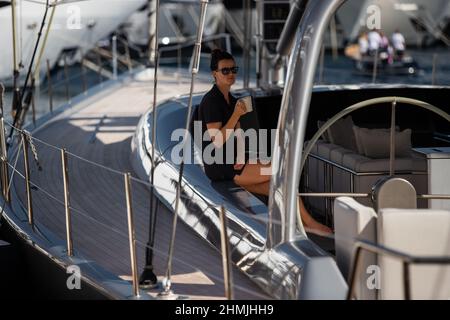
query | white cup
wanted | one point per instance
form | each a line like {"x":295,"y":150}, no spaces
{"x":247,"y":102}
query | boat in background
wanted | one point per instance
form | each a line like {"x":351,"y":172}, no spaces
{"x":177,"y":23}
{"x":404,"y":65}
{"x":77,"y":26}
{"x":422,"y":22}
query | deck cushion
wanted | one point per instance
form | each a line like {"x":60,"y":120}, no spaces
{"x":417,"y":233}
{"x":354,"y":221}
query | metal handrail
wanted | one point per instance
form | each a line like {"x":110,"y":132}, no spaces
{"x":65,"y":170}
{"x":26,"y":144}
{"x":93,"y":163}
{"x":64,"y":82}
{"x":27,"y":179}
{"x":70,"y":78}
{"x":131,"y":234}
{"x":66,"y":202}
{"x":407,"y":260}
{"x":194,"y":40}
{"x":125,"y":236}
{"x":226,"y":255}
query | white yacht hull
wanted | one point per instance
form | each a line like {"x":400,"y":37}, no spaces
{"x":75,"y":25}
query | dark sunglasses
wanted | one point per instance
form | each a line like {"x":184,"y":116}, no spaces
{"x":226,"y":71}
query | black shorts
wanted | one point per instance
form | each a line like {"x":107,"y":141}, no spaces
{"x":239,"y":171}
{"x":222,"y":172}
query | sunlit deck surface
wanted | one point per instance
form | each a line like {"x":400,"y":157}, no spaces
{"x":101,"y":132}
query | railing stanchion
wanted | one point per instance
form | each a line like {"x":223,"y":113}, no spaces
{"x":375,"y":67}
{"x":321,"y":64}
{"x":392,"y":140}
{"x":433,"y":75}
{"x":100,"y":68}
{"x":228,"y":43}
{"x":50,"y":88}
{"x":26,"y":164}
{"x":226,"y":258}
{"x":179,"y":64}
{"x":4,"y":157}
{"x":66,"y":77}
{"x":33,"y":109}
{"x":114,"y":56}
{"x":131,"y":234}
{"x":127,"y":53}
{"x":65,"y":170}
{"x":83,"y":72}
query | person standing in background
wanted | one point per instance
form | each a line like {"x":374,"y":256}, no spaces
{"x":399,"y":43}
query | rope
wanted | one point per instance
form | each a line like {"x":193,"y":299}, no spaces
{"x":33,"y":149}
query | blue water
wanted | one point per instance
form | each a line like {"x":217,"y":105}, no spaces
{"x":342,"y":70}
{"x":335,"y":71}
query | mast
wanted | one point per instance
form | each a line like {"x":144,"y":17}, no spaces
{"x":167,"y":292}
{"x":20,"y":114}
{"x":153,"y":17}
{"x":148,"y":278}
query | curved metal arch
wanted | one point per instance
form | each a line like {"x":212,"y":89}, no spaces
{"x":288,"y":147}
{"x":364,"y":104}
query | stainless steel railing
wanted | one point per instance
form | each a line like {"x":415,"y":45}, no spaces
{"x":98,"y":60}
{"x":27,"y":141}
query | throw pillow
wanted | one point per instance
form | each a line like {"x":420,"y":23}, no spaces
{"x":359,"y":145}
{"x":376,"y":143}
{"x":341,"y":133}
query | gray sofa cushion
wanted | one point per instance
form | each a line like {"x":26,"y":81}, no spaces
{"x":376,"y":142}
{"x":324,"y":149}
{"x":341,"y":133}
{"x":360,"y":163}
{"x":337,"y":155}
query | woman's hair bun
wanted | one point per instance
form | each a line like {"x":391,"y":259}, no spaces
{"x":216,"y":56}
{"x":216,"y":52}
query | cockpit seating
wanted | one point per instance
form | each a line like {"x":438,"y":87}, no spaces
{"x":392,"y":228}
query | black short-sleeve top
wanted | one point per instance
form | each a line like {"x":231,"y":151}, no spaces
{"x":214,"y":108}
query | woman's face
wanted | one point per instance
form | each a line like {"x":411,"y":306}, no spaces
{"x":225,"y":66}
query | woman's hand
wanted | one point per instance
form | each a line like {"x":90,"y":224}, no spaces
{"x":240,"y":109}
{"x":238,"y":166}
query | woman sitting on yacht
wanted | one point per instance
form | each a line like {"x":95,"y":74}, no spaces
{"x":219,"y":113}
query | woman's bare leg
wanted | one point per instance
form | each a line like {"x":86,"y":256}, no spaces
{"x":253,"y":180}
{"x":261,"y":188}
{"x":309,"y":221}
{"x":253,"y":174}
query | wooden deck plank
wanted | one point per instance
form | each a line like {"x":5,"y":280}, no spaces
{"x":197,"y":267}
